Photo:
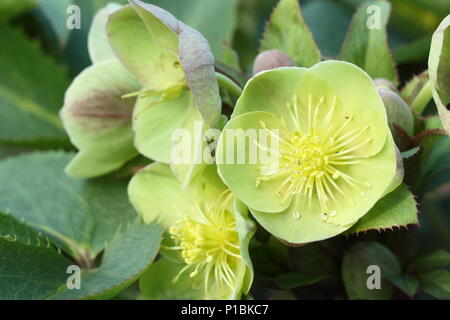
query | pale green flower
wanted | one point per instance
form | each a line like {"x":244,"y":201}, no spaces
{"x":175,"y":67}
{"x":152,"y":75}
{"x":206,"y":225}
{"x":336,"y":156}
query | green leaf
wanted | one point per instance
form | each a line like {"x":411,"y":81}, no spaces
{"x":12,"y":8}
{"x":19,"y":230}
{"x":328,"y":21}
{"x":56,"y":13}
{"x":205,"y":17}
{"x":130,"y":252}
{"x":413,"y":86}
{"x":231,"y":58}
{"x":396,"y":209}
{"x":430,"y":260}
{"x":288,"y":32}
{"x":292,"y":280}
{"x":29,"y":267}
{"x":278,"y":250}
{"x":312,"y":261}
{"x":408,"y":284}
{"x":417,"y":92}
{"x":355,"y":273}
{"x":366,"y":42}
{"x":77,"y":215}
{"x":436,"y":283}
{"x":434,"y":163}
{"x":31,"y":92}
{"x":30,"y":272}
{"x":414,"y":51}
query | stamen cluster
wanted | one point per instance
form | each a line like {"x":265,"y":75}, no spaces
{"x":211,"y":246}
{"x":314,"y":154}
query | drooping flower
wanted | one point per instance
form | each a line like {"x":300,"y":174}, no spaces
{"x":152,"y":75}
{"x":96,"y":118}
{"x":206,"y":226}
{"x":331,"y":158}
{"x":175,"y":67}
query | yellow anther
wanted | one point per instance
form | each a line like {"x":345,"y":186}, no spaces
{"x":210,"y":247}
{"x":318,"y":148}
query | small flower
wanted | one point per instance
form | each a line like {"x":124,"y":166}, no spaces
{"x":335,"y":157}
{"x":206,"y":225}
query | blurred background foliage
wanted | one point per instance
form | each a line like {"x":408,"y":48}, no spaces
{"x":39,"y":57}
{"x":236,"y":23}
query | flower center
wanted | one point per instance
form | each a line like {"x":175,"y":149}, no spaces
{"x":210,"y":247}
{"x":314,"y":155}
{"x":307,"y":157}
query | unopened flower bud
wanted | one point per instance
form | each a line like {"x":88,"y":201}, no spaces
{"x":398,"y":113}
{"x":271,"y":59}
{"x":382,"y":83}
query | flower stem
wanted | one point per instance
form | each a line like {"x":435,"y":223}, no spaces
{"x":422,"y":98}
{"x":228,"y":84}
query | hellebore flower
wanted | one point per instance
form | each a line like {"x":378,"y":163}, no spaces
{"x":207,"y":226}
{"x":175,"y":67}
{"x":96,"y":118}
{"x":331,"y":153}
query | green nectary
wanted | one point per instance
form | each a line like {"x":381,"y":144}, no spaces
{"x":334,"y":155}
{"x":206,"y":225}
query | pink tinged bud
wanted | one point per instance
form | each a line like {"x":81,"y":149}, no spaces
{"x":271,"y":59}
{"x":398,"y":114}
{"x":382,"y":83}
